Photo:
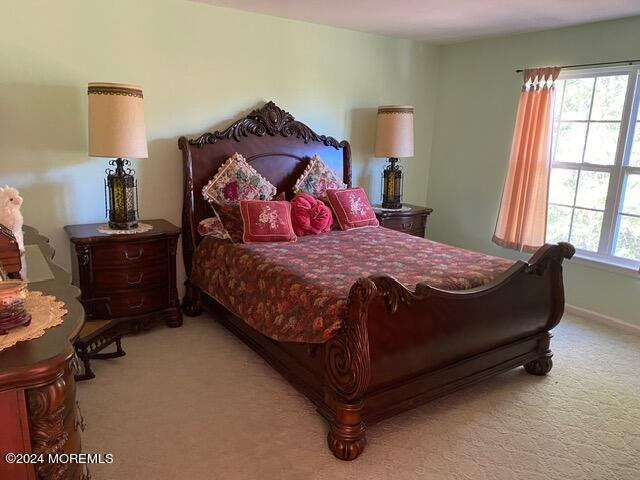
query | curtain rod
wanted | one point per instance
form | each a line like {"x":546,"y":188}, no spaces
{"x":584,"y":65}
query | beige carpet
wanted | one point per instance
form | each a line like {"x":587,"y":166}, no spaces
{"x":195,"y":403}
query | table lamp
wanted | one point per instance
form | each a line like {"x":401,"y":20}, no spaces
{"x":116,"y":131}
{"x":394,"y":139}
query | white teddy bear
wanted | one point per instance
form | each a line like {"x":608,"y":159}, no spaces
{"x":10,"y":215}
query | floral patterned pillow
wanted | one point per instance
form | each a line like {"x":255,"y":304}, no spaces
{"x":266,"y":221}
{"x":229,"y":215}
{"x":352,"y":208}
{"x":316,"y":179}
{"x":231,"y":218}
{"x":237,"y":180}
{"x":213,"y":227}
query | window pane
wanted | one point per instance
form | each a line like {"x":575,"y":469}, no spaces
{"x":557,"y":104}
{"x":608,"y":98}
{"x":585,"y":231}
{"x":570,"y":142}
{"x":634,"y":160}
{"x":631,"y":202}
{"x":558,"y":223}
{"x":577,"y":99}
{"x":628,"y":241}
{"x":562,"y":185}
{"x":602,"y":143}
{"x":592,"y":189}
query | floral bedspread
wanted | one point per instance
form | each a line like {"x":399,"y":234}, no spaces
{"x":298,"y":291}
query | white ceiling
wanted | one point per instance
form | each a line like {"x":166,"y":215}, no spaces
{"x":440,"y":21}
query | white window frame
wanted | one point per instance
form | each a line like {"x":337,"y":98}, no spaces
{"x":618,"y":172}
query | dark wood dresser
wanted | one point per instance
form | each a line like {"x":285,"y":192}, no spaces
{"x":38,"y":408}
{"x":412,"y":221}
{"x":129,"y":277}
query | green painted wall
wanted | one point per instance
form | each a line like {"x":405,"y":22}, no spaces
{"x":200,"y":67}
{"x":476,"y":109}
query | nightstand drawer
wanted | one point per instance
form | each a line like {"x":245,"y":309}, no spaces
{"x":129,"y":278}
{"x":410,"y":224}
{"x":128,"y":253}
{"x":135,"y":303}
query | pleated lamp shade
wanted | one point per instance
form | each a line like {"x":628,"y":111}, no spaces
{"x":394,"y":133}
{"x":116,"y":121}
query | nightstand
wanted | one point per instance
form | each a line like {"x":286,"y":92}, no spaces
{"x":127,"y":278}
{"x":410,"y":219}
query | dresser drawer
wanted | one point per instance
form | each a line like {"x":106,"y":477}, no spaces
{"x":136,"y":303}
{"x":128,"y":253}
{"x":413,"y":225}
{"x":129,"y":278}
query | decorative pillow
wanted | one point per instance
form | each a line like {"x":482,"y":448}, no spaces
{"x":231,"y":218}
{"x":229,"y":215}
{"x":317,"y":178}
{"x":213,"y":227}
{"x":266,"y":221}
{"x":237,"y":180}
{"x":310,"y":216}
{"x":352,"y":208}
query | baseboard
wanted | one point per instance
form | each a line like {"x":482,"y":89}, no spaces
{"x":604,"y":319}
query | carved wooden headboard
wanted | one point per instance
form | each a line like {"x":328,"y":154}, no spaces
{"x":273,"y":142}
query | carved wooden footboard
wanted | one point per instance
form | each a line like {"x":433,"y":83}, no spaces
{"x":401,"y":348}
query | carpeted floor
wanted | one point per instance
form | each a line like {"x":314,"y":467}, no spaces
{"x":195,"y":403}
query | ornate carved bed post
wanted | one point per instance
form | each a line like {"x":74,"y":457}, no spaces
{"x":191,"y":303}
{"x":348,"y":372}
{"x":549,"y":256}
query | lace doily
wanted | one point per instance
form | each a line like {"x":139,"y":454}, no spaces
{"x":378,"y":208}
{"x":141,"y":228}
{"x":46,"y":312}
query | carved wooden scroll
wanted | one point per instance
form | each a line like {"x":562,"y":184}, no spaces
{"x":47,"y":411}
{"x":267,"y":120}
{"x":347,"y":355}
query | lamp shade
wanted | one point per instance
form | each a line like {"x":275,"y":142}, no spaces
{"x":116,"y":121}
{"x":394,"y":133}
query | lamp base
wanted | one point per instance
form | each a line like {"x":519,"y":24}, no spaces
{"x":121,"y":196}
{"x":392,"y":185}
{"x":123,"y":225}
{"x":392,"y":205}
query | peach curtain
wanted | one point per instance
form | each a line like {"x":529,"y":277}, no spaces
{"x":522,"y":220}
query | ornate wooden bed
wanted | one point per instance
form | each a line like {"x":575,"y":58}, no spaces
{"x":398,"y":348}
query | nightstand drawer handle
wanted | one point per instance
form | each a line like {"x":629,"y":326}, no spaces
{"x":135,"y":282}
{"x":407,"y":227}
{"x":140,"y":252}
{"x":139,"y":305}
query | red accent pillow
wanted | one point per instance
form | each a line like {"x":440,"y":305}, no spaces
{"x":266,"y":221}
{"x":310,"y":216}
{"x":231,"y":218}
{"x":352,"y":208}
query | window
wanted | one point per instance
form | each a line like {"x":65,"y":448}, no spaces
{"x":594,"y":189}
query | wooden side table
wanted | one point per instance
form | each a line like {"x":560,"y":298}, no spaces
{"x":130,"y":278}
{"x":411,"y":219}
